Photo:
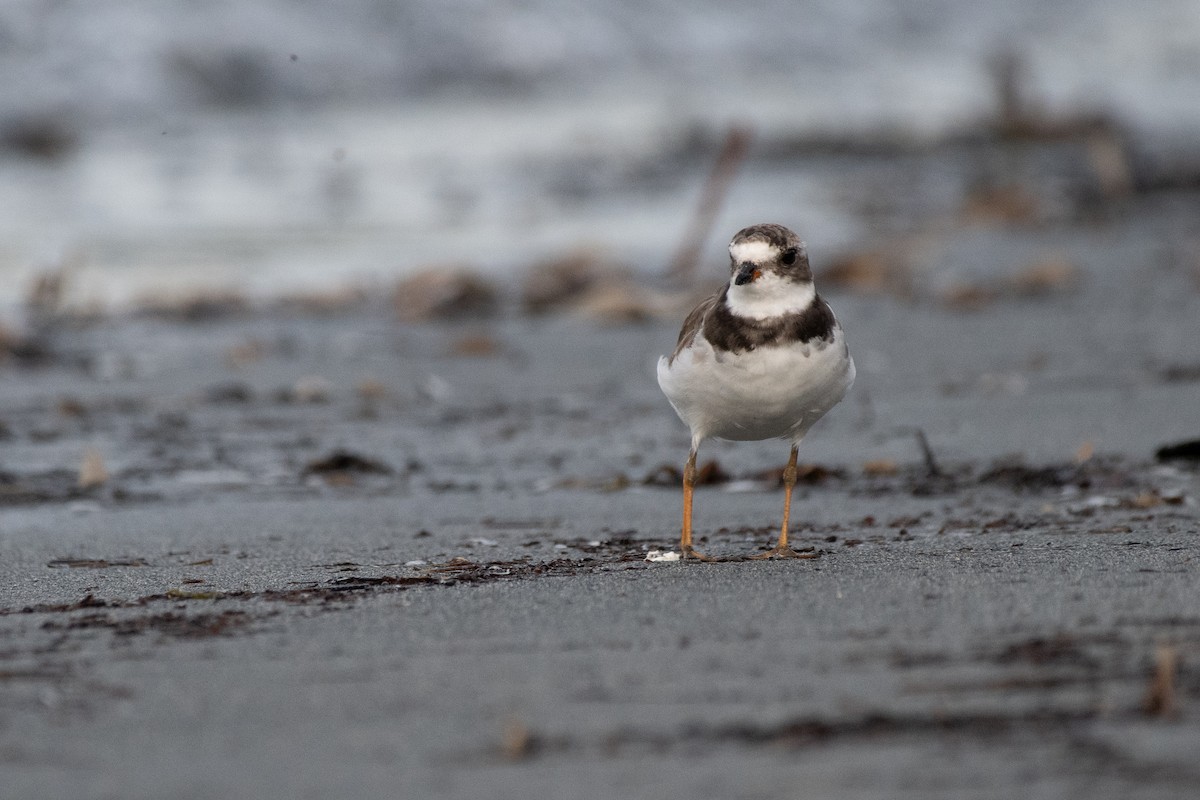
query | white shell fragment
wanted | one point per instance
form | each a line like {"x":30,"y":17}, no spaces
{"x":662,"y":555}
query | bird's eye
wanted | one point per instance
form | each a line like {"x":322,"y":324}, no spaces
{"x":789,"y":256}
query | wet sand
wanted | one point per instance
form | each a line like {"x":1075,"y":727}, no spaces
{"x":342,"y":555}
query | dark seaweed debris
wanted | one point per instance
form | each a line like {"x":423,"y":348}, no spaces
{"x":344,"y":461}
{"x":95,"y":563}
{"x":455,"y":571}
{"x":1180,"y":451}
{"x":169,"y":623}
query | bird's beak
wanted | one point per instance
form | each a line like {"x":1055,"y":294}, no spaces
{"x":746,"y":273}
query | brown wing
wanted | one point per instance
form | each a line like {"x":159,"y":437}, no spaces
{"x":694,"y":323}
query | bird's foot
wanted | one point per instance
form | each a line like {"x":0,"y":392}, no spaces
{"x":783,"y":551}
{"x":686,"y":551}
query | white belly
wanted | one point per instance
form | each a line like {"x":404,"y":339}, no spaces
{"x":767,"y":393}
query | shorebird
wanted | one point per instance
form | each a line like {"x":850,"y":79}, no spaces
{"x":762,"y":358}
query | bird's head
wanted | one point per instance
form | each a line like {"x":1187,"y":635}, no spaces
{"x":770,"y":252}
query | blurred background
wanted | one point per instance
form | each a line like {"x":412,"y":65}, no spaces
{"x":265,"y":147}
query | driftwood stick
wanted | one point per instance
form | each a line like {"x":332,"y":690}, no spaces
{"x":733,"y":153}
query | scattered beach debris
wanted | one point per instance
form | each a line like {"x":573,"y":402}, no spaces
{"x":1179,"y":451}
{"x":9,"y":341}
{"x":1045,"y":276}
{"x":1143,"y":500}
{"x":521,"y":524}
{"x":1160,"y":696}
{"x":92,"y":472}
{"x":1109,"y":159}
{"x":323,"y":302}
{"x":1043,"y":651}
{"x":1019,"y":477}
{"x":1049,"y":275}
{"x":46,"y":137}
{"x":371,"y":389}
{"x":561,"y":283}
{"x":869,"y":271}
{"x":246,"y":353}
{"x":615,"y":483}
{"x":94,"y":563}
{"x":1009,"y":74}
{"x":1021,"y":116}
{"x":1174,"y":373}
{"x":343,"y":462}
{"x":1008,"y":204}
{"x":806,"y":474}
{"x":812,"y":474}
{"x":663,"y":475}
{"x":44,"y":300}
{"x":517,"y":742}
{"x":71,"y":407}
{"x":711,"y":473}
{"x":229,"y":392}
{"x":311,"y":389}
{"x":435,"y":388}
{"x":234,"y":78}
{"x":967,"y":297}
{"x":441,"y":293}
{"x":481,"y":541}
{"x":880,"y":467}
{"x":623,"y":302}
{"x":23,"y":349}
{"x":932,"y":470}
{"x":202,"y":305}
{"x":31,"y":344}
{"x":178,"y":625}
{"x":193,"y":594}
{"x":475,"y":345}
{"x":586,"y":282}
{"x":1172,"y":497}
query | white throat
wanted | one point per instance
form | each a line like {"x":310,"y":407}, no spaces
{"x":770,"y":296}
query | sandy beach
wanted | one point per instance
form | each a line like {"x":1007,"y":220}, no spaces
{"x":285,"y":554}
{"x":333,"y":462}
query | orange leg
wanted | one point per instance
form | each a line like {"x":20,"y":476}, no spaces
{"x":689,"y":484}
{"x":781,"y":549}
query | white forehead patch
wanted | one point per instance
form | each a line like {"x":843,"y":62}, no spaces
{"x":756,"y":251}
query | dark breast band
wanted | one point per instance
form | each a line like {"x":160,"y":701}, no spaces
{"x":727,"y":331}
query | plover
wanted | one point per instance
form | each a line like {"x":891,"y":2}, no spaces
{"x":763,"y":358}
